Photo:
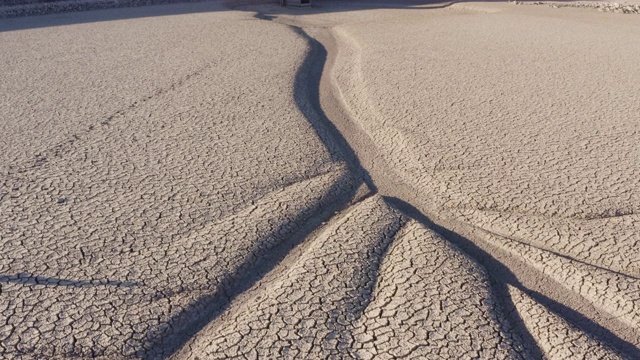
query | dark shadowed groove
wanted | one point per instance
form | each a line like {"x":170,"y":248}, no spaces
{"x":30,"y":279}
{"x":395,"y":191}
{"x":181,"y":328}
{"x":560,"y":255}
{"x":308,"y":85}
{"x":308,"y":81}
{"x":501,"y":276}
{"x":307,"y":97}
{"x":365,"y":281}
{"x":577,"y":319}
{"x":498,"y":274}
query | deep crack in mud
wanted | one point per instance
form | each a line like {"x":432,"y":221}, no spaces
{"x":312,"y":202}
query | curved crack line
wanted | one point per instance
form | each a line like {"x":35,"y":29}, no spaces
{"x":29,"y":279}
{"x":365,"y":160}
{"x":311,"y":88}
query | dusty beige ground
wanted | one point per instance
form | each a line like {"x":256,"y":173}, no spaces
{"x":377,"y":180}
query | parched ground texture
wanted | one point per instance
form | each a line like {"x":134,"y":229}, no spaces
{"x":354,"y":180}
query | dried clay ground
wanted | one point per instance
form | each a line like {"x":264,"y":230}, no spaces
{"x":355,"y":180}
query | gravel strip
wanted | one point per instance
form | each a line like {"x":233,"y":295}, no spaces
{"x":601,"y":6}
{"x":12,"y":9}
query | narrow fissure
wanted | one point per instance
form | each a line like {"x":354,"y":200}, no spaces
{"x":342,"y":136}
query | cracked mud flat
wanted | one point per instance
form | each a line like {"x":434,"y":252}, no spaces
{"x":347,"y":181}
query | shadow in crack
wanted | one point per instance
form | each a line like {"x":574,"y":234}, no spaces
{"x":29,"y":279}
{"x":308,"y":87}
{"x":363,"y":282}
{"x":210,"y":307}
{"x":268,"y":252}
{"x":583,"y":322}
{"x":501,"y":276}
{"x":307,"y":98}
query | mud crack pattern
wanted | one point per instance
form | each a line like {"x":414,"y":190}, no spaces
{"x":368,"y":191}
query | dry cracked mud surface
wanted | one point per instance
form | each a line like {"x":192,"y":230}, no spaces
{"x":355,"y":180}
